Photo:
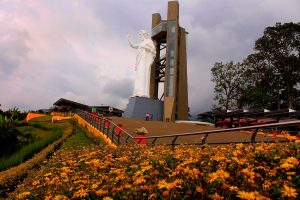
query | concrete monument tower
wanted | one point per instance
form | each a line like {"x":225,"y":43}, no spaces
{"x":161,"y":62}
{"x":170,"y":65}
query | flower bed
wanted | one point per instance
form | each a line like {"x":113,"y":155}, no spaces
{"x":258,"y":171}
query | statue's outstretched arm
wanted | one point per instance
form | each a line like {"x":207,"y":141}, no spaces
{"x":135,"y":46}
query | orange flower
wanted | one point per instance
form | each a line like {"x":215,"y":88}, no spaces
{"x":139,"y":181}
{"x":165,"y":185}
{"x":246,"y":195}
{"x":81,"y":193}
{"x":212,"y":177}
{"x":286,"y":166}
{"x":289,"y":191}
{"x":251,"y":195}
{"x":101,"y":192}
{"x":199,"y":189}
{"x":233,"y":188}
{"x":107,"y":198}
{"x":222,"y":174}
{"x":35,"y":182}
{"x":216,"y":196}
{"x":60,"y":197}
{"x":292,"y":160}
{"x":23,"y":195}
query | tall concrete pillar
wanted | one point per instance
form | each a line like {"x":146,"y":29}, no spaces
{"x":171,"y":68}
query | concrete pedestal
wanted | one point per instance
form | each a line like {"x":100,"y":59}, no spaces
{"x":139,"y":106}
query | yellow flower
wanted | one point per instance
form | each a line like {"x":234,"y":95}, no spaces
{"x":60,"y":197}
{"x":66,"y":169}
{"x":101,"y":192}
{"x":292,"y":160}
{"x":146,"y":168}
{"x":212,"y":177}
{"x":286,"y":166}
{"x":128,"y":186}
{"x":222,"y":174}
{"x":289,"y":191}
{"x":23,"y":195}
{"x":246,"y":195}
{"x":233,"y":188}
{"x":266,"y":185}
{"x":245,"y":171}
{"x":199,"y":189}
{"x":251,"y":195}
{"x":290,"y":173}
{"x":35,"y":182}
{"x":139,"y":180}
{"x":107,"y":198}
{"x":164,"y":184}
{"x":176,"y":183}
{"x":48,"y":174}
{"x":81,"y":193}
{"x":216,"y":196}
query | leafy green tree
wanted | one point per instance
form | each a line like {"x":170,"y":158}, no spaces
{"x":228,"y":78}
{"x":257,"y":90}
{"x":276,"y":62}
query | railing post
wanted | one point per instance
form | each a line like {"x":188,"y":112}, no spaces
{"x":127,"y":139}
{"x":253,"y":137}
{"x":153,"y":141}
{"x":204,"y":138}
{"x":107,"y":131}
{"x":119,"y":139}
{"x":173,"y":142}
{"x":98,"y":123}
{"x":113,"y":134}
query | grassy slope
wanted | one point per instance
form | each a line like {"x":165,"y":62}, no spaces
{"x":42,"y":133}
{"x":10,"y":177}
{"x":78,"y":140}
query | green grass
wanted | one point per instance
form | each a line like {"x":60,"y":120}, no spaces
{"x":77,"y":140}
{"x":81,"y":138}
{"x":42,"y":134}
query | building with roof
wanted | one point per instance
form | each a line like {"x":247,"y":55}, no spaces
{"x":65,"y":105}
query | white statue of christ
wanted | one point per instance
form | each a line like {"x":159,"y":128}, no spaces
{"x":144,"y":59}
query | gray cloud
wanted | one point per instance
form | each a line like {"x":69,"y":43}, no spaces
{"x":13,"y":48}
{"x":119,"y":88}
{"x":78,"y":49}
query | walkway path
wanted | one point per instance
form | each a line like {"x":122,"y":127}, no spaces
{"x":156,"y":128}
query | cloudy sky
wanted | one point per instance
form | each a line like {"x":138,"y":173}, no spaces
{"x":77,"y":49}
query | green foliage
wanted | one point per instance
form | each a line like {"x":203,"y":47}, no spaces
{"x":78,"y":140}
{"x":228,"y":78}
{"x":16,"y":113}
{"x":273,"y":70}
{"x":28,"y":150}
{"x":6,"y":122}
{"x":268,"y":77}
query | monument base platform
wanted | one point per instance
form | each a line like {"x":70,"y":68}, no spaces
{"x":139,"y":106}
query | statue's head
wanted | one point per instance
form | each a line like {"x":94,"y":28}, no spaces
{"x":143,"y":35}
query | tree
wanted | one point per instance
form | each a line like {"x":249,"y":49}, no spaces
{"x":228,"y":79}
{"x":276,"y":59}
{"x":257,"y":90}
